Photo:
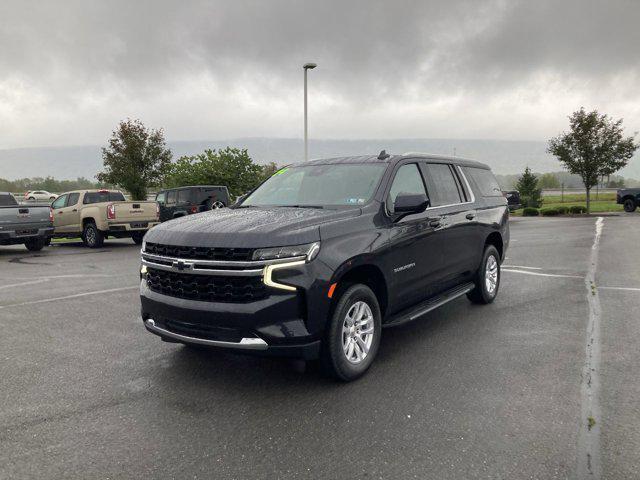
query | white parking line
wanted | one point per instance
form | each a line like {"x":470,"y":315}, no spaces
{"x":77,"y":295}
{"x":32,"y":282}
{"x":521,"y":266}
{"x":629,"y":289}
{"x":538,"y":274}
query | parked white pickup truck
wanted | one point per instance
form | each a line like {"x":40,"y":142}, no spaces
{"x":97,"y":214}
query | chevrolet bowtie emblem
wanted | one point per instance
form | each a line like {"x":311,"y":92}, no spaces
{"x":180,"y":265}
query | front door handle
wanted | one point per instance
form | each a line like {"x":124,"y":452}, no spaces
{"x":434,"y":223}
{"x":471,"y":216}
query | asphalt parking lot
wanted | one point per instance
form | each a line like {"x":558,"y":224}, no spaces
{"x":467,"y":392}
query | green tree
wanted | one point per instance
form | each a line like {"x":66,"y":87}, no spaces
{"x":594,"y":147}
{"x":135,"y":159}
{"x":530,"y":193}
{"x":548,"y":181}
{"x":232,"y":167}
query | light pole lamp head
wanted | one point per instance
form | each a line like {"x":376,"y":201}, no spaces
{"x":309,"y":66}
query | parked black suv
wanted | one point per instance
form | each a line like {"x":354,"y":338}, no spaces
{"x":178,"y":202}
{"x":629,"y":198}
{"x":316,"y":260}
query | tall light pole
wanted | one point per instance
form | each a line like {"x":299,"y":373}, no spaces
{"x":305,"y":67}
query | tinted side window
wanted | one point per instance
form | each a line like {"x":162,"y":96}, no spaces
{"x":73,"y":199}
{"x":485,"y":181}
{"x":171,"y":196}
{"x":408,"y":180}
{"x":7,"y":200}
{"x":183,"y":196}
{"x":444,"y":185}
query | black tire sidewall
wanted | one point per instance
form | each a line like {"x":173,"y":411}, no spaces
{"x":333,"y":354}
{"x":629,"y":205}
{"x":35,"y":245}
{"x":98,"y":241}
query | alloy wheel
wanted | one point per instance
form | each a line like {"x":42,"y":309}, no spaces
{"x":357,"y":332}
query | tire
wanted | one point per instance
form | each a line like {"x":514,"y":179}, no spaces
{"x":35,"y":245}
{"x":31,"y":199}
{"x":630,"y":205}
{"x":489,"y":269}
{"x":342,"y":355}
{"x":47,"y":242}
{"x":216,"y":205}
{"x":137,"y":237}
{"x":91,"y":236}
{"x":52,"y":198}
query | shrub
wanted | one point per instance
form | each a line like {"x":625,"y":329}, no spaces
{"x":562,"y":209}
{"x":530,"y":212}
{"x":578,"y":209}
{"x":549,"y":212}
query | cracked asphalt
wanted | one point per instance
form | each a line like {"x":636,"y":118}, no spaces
{"x":466,"y":392}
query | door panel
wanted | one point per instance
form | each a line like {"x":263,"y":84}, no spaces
{"x":414,"y":252}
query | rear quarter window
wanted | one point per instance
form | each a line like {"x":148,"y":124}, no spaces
{"x":6,"y":200}
{"x":485,"y":181}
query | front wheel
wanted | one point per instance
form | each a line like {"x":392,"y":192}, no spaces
{"x":630,"y":205}
{"x":487,"y":278}
{"x":353,"y":335}
{"x":91,"y":236}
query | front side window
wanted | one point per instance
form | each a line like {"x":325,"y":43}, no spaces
{"x":319,"y":186}
{"x":408,"y":181}
{"x":445,"y":189}
{"x":59,"y":202}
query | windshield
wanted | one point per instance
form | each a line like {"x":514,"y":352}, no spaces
{"x":318,"y":185}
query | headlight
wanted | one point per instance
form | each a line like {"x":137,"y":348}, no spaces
{"x":309,"y":250}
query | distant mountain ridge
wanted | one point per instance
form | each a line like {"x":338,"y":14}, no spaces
{"x":504,"y":156}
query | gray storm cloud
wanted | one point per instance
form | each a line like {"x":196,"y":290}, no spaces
{"x":492,"y":69}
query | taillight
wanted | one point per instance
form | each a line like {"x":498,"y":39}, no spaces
{"x":194,"y":209}
{"x":111,"y":211}
{"x":157,"y":210}
{"x":51,"y":214}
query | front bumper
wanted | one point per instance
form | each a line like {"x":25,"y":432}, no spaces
{"x":275,"y":325}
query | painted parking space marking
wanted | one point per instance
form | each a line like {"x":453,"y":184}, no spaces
{"x":67,"y":297}
{"x":539,"y":274}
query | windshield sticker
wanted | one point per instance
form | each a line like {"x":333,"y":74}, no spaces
{"x":355,"y":201}
{"x":281,"y":171}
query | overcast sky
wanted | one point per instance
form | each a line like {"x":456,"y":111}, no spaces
{"x":70,"y":70}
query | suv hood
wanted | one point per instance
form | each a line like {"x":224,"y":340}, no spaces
{"x":252,"y":227}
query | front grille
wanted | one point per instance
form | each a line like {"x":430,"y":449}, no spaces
{"x":206,"y":288}
{"x":200,"y":253}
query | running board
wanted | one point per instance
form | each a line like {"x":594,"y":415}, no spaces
{"x":417,"y":311}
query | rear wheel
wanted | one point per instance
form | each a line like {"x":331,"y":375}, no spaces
{"x":630,"y":205}
{"x":35,"y":245}
{"x":353,"y":334}
{"x":487,"y":278}
{"x":137,"y":237}
{"x":91,"y":236}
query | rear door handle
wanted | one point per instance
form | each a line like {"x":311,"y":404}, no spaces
{"x":471,"y":216}
{"x":434,"y":223}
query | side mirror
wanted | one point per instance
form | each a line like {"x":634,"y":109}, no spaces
{"x":409,"y":203}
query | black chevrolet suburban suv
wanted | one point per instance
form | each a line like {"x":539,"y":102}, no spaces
{"x":319,"y":258}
